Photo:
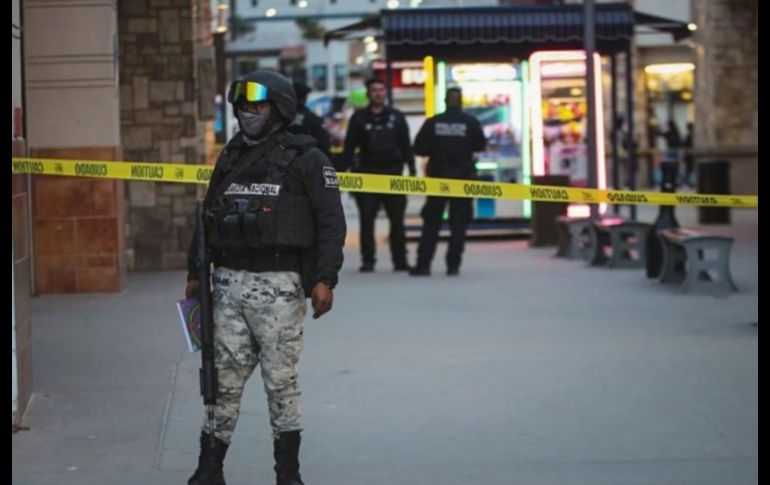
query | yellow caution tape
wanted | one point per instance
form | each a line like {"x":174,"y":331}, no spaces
{"x":386,"y":184}
{"x":152,"y":172}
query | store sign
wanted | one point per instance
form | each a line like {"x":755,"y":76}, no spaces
{"x":381,"y":65}
{"x":406,"y":74}
{"x":411,"y":76}
{"x":563,"y":69}
{"x":482,"y":72}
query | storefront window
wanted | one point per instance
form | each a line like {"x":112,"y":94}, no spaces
{"x":670,"y":113}
{"x":340,"y":74}
{"x":319,"y":72}
{"x":669,"y":99}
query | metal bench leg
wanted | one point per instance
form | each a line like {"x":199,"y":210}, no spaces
{"x":699,"y":266}
{"x":723,"y":264}
{"x":615,"y":244}
{"x":641,"y":246}
{"x":563,"y":250}
{"x":596,"y":253}
{"x":691,"y":273}
{"x":574,"y":241}
{"x":583,"y":240}
{"x":624,"y":242}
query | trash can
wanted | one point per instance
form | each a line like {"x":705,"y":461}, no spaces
{"x":485,"y":208}
{"x":714,"y":178}
{"x":544,"y":214}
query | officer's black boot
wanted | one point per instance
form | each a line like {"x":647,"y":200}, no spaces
{"x":286,"y":453}
{"x":366,"y":268}
{"x":210,"y":467}
{"x":420,"y":270}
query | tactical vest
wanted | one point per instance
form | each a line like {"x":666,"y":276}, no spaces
{"x":382,"y":144}
{"x":260,"y":215}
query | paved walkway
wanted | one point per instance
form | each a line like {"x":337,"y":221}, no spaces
{"x":524,"y":370}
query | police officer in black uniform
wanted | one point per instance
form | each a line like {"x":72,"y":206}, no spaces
{"x":276,"y":229}
{"x":381,"y":135}
{"x":308,"y":123}
{"x":449,"y":139}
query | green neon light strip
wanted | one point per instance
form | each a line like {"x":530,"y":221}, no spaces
{"x":440,"y":87}
{"x":487,"y":165}
{"x":526,"y":155}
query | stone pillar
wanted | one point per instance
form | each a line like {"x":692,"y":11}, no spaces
{"x":22,"y":335}
{"x":163,"y":102}
{"x":726,"y":98}
{"x":72,"y":112}
{"x":21,"y":340}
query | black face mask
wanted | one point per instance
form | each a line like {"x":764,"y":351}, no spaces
{"x":252,"y":124}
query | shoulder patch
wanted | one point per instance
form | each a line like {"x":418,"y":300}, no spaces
{"x":330,"y":178}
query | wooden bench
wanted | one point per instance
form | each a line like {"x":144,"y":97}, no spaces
{"x":574,"y":237}
{"x":625,"y":239}
{"x":699,"y":261}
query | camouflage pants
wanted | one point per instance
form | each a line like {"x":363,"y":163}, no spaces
{"x":258,"y":318}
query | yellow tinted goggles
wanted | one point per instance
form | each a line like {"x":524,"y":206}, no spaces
{"x":249,"y":90}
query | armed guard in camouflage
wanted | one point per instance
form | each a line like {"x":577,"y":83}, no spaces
{"x":275,"y":226}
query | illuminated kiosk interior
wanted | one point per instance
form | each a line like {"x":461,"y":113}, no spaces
{"x":494,"y":94}
{"x":558,"y":108}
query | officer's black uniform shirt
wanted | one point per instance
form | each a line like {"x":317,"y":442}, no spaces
{"x":450,"y":139}
{"x":383,"y":141}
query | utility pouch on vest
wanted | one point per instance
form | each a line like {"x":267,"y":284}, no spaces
{"x":251,"y":232}
{"x":232,"y":230}
{"x":296,"y":218}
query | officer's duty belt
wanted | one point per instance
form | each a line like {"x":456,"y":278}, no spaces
{"x":260,"y":263}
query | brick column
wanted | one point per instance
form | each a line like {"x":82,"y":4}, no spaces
{"x":164,"y":97}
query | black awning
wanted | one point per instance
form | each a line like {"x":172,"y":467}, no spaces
{"x":503,"y":32}
{"x":509,"y":31}
{"x":509,"y":24}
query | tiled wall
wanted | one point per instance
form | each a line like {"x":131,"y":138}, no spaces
{"x":78,"y":237}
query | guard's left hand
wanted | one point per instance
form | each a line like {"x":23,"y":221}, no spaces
{"x":321,"y":298}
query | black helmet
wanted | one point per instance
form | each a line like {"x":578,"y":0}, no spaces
{"x":279,"y":90}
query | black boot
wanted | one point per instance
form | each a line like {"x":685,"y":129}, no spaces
{"x":366,"y":268}
{"x":286,"y":453}
{"x":210,"y":465}
{"x":420,"y":270}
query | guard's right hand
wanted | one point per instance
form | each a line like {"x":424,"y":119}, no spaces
{"x":322,"y":299}
{"x":193,"y":289}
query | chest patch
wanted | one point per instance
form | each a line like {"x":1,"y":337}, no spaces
{"x":253,"y":189}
